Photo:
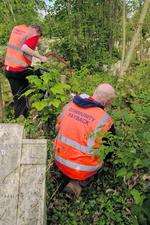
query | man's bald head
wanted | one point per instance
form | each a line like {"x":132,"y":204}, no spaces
{"x":104,"y":94}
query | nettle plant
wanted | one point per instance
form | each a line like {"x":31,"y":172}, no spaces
{"x":48,"y":94}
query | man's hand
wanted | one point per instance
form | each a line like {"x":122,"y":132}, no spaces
{"x":43,"y":58}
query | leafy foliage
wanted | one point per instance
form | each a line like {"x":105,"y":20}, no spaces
{"x":87,"y":34}
{"x":116,"y":195}
{"x":18,"y":12}
{"x":48,"y":95}
{"x":87,"y":30}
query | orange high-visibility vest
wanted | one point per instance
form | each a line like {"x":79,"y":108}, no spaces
{"x":78,"y":139}
{"x":14,"y":55}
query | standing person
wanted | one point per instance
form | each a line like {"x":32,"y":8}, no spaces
{"x":20,"y":50}
{"x":78,"y":137}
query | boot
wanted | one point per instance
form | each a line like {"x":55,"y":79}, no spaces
{"x":72,"y":190}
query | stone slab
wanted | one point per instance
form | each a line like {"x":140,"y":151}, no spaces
{"x":9,"y":199}
{"x":34,"y":151}
{"x":22,"y":178}
{"x":31,"y":206}
{"x":10,"y":154}
{"x":10,"y":148}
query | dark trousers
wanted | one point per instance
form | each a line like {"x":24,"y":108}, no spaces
{"x":18,"y":88}
{"x":19,"y":85}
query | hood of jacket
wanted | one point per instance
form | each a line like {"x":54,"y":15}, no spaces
{"x":85,"y":101}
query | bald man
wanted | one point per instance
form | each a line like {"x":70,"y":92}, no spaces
{"x":81,"y":127}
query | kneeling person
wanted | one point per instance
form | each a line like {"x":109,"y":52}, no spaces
{"x":77,"y":140}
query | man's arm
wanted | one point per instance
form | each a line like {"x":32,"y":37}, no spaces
{"x":31,"y":52}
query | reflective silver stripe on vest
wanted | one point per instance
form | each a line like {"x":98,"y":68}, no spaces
{"x":102,"y":121}
{"x":76,"y":166}
{"x":72,"y":143}
{"x":23,"y":40}
{"x":85,"y":149}
{"x":100,"y":124}
{"x":16,"y":61}
{"x":29,"y":57}
{"x":14,"y":47}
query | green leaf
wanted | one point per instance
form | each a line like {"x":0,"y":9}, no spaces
{"x":60,"y":88}
{"x":28,"y":92}
{"x":138,"y":198}
{"x":137,"y":163}
{"x":129,"y":175}
{"x":128,"y":117}
{"x":34,"y":80}
{"x":121,"y":173}
{"x":137,"y":108}
{"x":146,"y":135}
{"x":56,"y":103}
{"x":40,"y":105}
{"x":57,"y":89}
{"x":46,"y":77}
{"x":62,"y":98}
{"x":66,"y":86}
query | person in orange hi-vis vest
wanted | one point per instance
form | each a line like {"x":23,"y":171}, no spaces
{"x":20,"y":50}
{"x":79,"y":126}
{"x":22,"y":42}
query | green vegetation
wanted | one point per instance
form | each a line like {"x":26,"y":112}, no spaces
{"x":90,"y":35}
{"x":117,"y":195}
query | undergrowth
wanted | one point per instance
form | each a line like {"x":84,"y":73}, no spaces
{"x":118,"y":195}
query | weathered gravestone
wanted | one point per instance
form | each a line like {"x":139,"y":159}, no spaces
{"x":22,"y":177}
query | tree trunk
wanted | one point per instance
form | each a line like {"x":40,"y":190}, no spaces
{"x":124,"y":33}
{"x":135,"y":40}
